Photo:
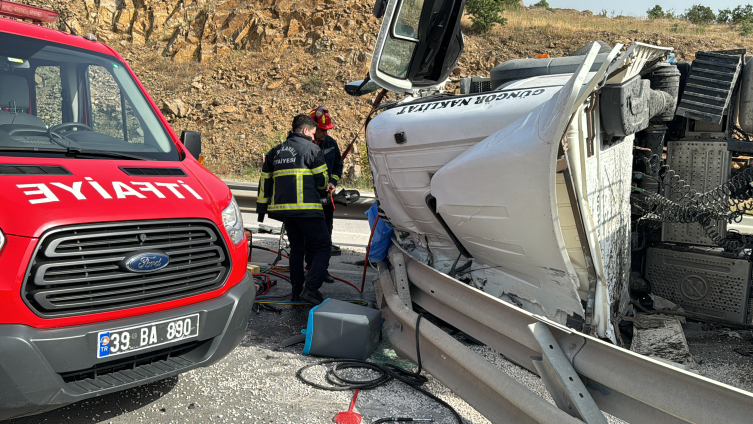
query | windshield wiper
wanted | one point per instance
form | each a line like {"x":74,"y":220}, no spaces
{"x":103,"y":154}
{"x":32,"y":149}
{"x":75,"y":152}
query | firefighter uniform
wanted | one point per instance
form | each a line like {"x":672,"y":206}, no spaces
{"x":334,"y":171}
{"x":293,"y":180}
{"x":334,"y":162}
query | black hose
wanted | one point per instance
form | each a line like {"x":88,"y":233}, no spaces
{"x":386,"y":372}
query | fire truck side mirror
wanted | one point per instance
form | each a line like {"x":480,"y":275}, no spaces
{"x":192,"y":141}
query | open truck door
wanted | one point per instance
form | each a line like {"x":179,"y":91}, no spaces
{"x":419,"y":43}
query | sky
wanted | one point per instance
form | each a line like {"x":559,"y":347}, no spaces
{"x":637,"y":7}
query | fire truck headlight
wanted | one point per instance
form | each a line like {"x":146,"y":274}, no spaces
{"x":233,"y":221}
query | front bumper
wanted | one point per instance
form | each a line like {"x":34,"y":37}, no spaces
{"x":41,"y":370}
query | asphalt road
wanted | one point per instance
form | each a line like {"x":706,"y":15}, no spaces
{"x":256,"y":382}
{"x":348,"y":234}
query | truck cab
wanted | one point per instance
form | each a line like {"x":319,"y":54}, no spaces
{"x":122,"y":259}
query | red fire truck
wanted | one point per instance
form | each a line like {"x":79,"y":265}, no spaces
{"x":122,"y":259}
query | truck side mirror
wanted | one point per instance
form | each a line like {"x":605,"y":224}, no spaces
{"x":192,"y":141}
{"x":359,"y":88}
{"x":379,"y":7}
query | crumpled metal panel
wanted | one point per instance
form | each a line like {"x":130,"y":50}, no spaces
{"x":509,"y":222}
{"x":608,"y":180}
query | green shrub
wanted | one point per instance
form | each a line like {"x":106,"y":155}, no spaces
{"x":313,"y":84}
{"x":486,"y":13}
{"x":700,"y":15}
{"x":656,"y":13}
{"x":746,"y":28}
{"x":678,"y":28}
{"x":544,"y":4}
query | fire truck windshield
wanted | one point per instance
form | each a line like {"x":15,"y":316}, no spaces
{"x":54,"y":96}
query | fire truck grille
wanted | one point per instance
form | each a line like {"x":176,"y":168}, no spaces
{"x":81,"y":270}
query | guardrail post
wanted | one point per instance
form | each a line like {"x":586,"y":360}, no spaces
{"x":561,"y":380}
{"x":401,"y":279}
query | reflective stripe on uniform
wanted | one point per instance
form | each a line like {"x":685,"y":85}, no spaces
{"x":321,"y":170}
{"x":299,"y":188}
{"x":336,"y":177}
{"x":262,"y":198}
{"x":295,"y":207}
{"x":294,"y":171}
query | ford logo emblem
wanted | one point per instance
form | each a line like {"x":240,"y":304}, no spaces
{"x":146,"y":262}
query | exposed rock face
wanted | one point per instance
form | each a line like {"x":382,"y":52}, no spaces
{"x":199,"y":29}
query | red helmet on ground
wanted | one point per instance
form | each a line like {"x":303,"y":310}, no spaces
{"x":322,"y":118}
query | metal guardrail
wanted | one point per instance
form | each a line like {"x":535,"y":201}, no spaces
{"x":245,"y":195}
{"x":629,"y":386}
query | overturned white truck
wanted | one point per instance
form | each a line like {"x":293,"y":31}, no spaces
{"x":547,"y":182}
{"x":552,"y":184}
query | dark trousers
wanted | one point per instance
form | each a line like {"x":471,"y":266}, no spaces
{"x":329,"y":217}
{"x":308,"y":237}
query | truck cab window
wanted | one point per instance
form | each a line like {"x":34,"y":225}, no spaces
{"x":406,"y":25}
{"x":402,"y":40}
{"x":49,"y":97}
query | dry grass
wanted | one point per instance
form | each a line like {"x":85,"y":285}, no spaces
{"x":566,"y":24}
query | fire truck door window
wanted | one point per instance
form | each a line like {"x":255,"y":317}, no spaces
{"x":49,"y":97}
{"x":106,"y":103}
{"x":134,"y":130}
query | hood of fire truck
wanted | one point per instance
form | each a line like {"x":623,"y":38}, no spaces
{"x":96,"y":190}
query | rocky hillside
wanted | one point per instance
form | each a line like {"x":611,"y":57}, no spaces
{"x":239,"y":70}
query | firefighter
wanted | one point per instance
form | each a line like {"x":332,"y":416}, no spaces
{"x":293,"y":180}
{"x":334,"y":168}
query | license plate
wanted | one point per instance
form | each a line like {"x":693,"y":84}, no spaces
{"x":127,"y":340}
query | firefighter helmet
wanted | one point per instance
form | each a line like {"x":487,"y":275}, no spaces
{"x":322,"y":117}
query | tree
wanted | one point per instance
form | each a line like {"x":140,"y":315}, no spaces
{"x":742,"y":14}
{"x":486,"y":13}
{"x":723,"y":16}
{"x":656,"y":13}
{"x":700,"y":15}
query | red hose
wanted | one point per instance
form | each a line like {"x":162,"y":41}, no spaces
{"x":348,"y":283}
{"x":271,"y":271}
{"x":368,"y":247}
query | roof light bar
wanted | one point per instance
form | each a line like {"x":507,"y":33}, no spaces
{"x":26,"y":12}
